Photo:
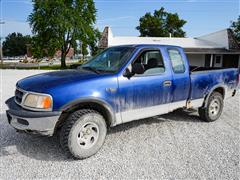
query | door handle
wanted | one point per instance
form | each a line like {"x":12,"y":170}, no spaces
{"x":167,"y":83}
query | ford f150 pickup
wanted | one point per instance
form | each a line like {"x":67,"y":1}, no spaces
{"x":121,"y":84}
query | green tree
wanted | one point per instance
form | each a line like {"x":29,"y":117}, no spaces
{"x":15,"y":44}
{"x":59,"y":24}
{"x":94,"y":42}
{"x":40,"y":49}
{"x":84,"y":50}
{"x":235,"y":26}
{"x":161,"y":24}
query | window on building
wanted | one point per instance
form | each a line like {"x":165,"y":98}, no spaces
{"x":218,"y":59}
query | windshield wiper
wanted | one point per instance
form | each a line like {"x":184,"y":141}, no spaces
{"x":91,"y":69}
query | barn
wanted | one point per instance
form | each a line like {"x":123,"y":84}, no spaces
{"x":217,"y":49}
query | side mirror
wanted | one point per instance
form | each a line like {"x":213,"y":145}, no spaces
{"x":137,"y":68}
{"x":127,"y":73}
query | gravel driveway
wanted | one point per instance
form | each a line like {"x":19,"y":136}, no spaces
{"x":173,"y":146}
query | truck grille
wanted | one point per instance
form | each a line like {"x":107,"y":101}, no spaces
{"x":18,"y":96}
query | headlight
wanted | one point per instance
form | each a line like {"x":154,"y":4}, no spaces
{"x":38,"y":101}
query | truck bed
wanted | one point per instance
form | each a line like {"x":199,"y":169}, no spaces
{"x":194,"y":69}
{"x":203,"y":80}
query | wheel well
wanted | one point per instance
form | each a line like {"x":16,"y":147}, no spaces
{"x":86,"y":105}
{"x":220,"y":90}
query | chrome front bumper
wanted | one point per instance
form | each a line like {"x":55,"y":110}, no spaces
{"x":30,"y":121}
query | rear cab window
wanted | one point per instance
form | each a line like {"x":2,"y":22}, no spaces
{"x":176,"y":61}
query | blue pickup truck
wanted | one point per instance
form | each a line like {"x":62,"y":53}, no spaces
{"x":121,"y":84}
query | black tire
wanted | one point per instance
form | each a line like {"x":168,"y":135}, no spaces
{"x":209,"y":113}
{"x":75,"y":138}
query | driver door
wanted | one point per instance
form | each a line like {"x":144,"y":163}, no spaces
{"x":148,"y":94}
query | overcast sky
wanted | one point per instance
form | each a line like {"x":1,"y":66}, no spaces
{"x":202,"y":16}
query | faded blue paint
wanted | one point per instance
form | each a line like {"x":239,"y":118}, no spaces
{"x":181,"y":81}
{"x":70,"y":85}
{"x":204,"y":82}
{"x":145,"y":91}
{"x":136,"y":92}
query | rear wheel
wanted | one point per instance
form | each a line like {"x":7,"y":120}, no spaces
{"x":83,"y":134}
{"x":213,"y":109}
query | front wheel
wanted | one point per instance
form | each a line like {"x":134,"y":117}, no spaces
{"x":213,"y":109}
{"x":83,"y":133}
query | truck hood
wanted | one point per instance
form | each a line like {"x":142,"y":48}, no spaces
{"x":43,"y":82}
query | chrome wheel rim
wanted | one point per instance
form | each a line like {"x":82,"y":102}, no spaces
{"x":88,"y":135}
{"x":214,"y":108}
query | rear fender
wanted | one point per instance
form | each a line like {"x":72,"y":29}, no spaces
{"x":214,"y":88}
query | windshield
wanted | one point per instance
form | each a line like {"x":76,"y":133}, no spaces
{"x":110,"y":60}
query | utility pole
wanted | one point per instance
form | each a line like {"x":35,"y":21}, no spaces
{"x":1,"y":52}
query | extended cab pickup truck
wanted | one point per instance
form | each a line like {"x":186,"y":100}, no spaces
{"x":121,"y":84}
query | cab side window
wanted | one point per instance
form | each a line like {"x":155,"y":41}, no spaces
{"x":152,"y":61}
{"x":176,"y":60}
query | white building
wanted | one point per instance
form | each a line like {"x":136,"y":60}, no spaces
{"x":217,"y":49}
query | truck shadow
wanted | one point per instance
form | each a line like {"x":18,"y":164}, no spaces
{"x":48,"y":148}
{"x":177,"y":115}
{"x":36,"y":147}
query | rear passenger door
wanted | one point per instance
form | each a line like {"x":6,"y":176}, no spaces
{"x":181,"y":78}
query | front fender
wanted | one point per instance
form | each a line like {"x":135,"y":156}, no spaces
{"x":112,"y":115}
